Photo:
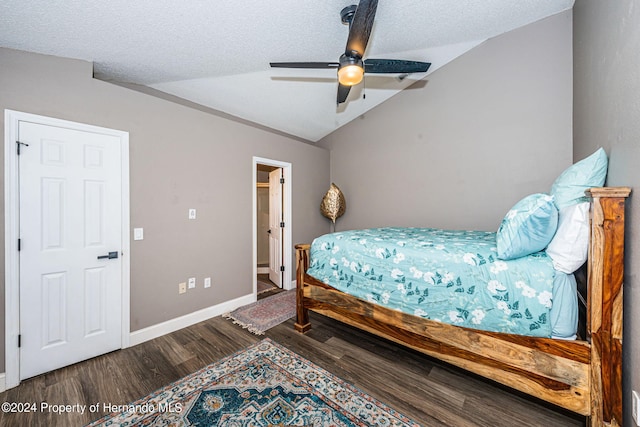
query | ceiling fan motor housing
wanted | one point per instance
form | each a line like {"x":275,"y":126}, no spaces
{"x":353,"y":59}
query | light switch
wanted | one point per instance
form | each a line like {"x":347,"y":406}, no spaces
{"x":192,"y":214}
{"x":138,"y":233}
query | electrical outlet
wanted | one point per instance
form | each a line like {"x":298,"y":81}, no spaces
{"x":635,"y":406}
{"x":207,"y":282}
{"x":192,"y":282}
{"x":192,"y":214}
{"x":182,"y":288}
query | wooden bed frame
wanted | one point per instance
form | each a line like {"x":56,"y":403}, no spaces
{"x":583,"y":376}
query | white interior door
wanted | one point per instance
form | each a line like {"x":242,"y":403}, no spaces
{"x":275,"y":229}
{"x":70,"y":188}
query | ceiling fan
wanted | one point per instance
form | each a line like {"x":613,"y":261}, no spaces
{"x":351,"y":67}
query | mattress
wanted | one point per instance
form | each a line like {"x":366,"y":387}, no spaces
{"x":449,"y":276}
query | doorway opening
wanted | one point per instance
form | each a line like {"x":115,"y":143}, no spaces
{"x":271,"y":225}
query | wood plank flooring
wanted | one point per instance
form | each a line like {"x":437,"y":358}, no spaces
{"x":426,"y":390}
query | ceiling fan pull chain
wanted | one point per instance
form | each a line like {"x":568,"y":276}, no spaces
{"x":364,"y":87}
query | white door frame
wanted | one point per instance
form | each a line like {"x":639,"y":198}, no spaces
{"x":287,"y":250}
{"x":11,"y":219}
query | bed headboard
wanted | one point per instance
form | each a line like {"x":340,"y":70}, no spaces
{"x":581,"y":275}
{"x":605,"y":270}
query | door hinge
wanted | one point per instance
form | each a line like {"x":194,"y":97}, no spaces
{"x":18,"y":143}
{"x":282,"y":224}
{"x":281,"y":180}
{"x":282,"y":268}
{"x":19,"y":340}
{"x":19,"y":244}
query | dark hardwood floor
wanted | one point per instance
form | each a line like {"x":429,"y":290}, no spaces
{"x":428,"y":391}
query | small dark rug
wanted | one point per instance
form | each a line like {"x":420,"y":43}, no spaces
{"x":265,"y":286}
{"x":265,"y":385}
{"x":266,"y":313}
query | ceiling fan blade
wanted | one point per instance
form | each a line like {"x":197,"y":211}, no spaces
{"x":343,"y":92}
{"x":360,"y":27}
{"x":304,"y":65}
{"x":394,"y":66}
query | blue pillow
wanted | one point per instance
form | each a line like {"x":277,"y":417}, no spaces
{"x":568,"y":189}
{"x":564,"y":311}
{"x":528,"y":227}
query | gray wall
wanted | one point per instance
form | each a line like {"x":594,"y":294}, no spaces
{"x":180,"y":158}
{"x":607,"y":114}
{"x":486,"y":130}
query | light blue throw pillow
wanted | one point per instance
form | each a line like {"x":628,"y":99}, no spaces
{"x":528,"y":227}
{"x":568,"y":189}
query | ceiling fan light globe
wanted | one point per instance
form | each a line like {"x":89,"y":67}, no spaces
{"x":350,"y":75}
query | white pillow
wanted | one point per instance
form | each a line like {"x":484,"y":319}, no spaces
{"x":568,"y":248}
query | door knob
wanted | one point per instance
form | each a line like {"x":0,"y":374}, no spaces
{"x":110,"y":255}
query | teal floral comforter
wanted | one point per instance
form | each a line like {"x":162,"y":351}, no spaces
{"x":445,"y":275}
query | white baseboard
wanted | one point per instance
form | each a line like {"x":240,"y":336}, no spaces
{"x":263,"y":270}
{"x":155,"y":331}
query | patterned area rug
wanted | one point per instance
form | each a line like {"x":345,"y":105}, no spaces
{"x":264,"y":385}
{"x":266,"y":313}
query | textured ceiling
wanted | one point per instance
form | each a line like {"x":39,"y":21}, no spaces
{"x":217,"y":53}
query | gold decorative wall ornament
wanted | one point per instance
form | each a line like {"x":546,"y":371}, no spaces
{"x":333,"y":204}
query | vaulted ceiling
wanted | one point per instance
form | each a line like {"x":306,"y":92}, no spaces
{"x":216,"y":53}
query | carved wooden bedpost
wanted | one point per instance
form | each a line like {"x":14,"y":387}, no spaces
{"x":302,"y":314}
{"x":604,"y":322}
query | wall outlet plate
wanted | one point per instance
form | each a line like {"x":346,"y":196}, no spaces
{"x":635,"y":406}
{"x":207,"y":282}
{"x":192,"y":282}
{"x":182,"y":288}
{"x":192,"y":213}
